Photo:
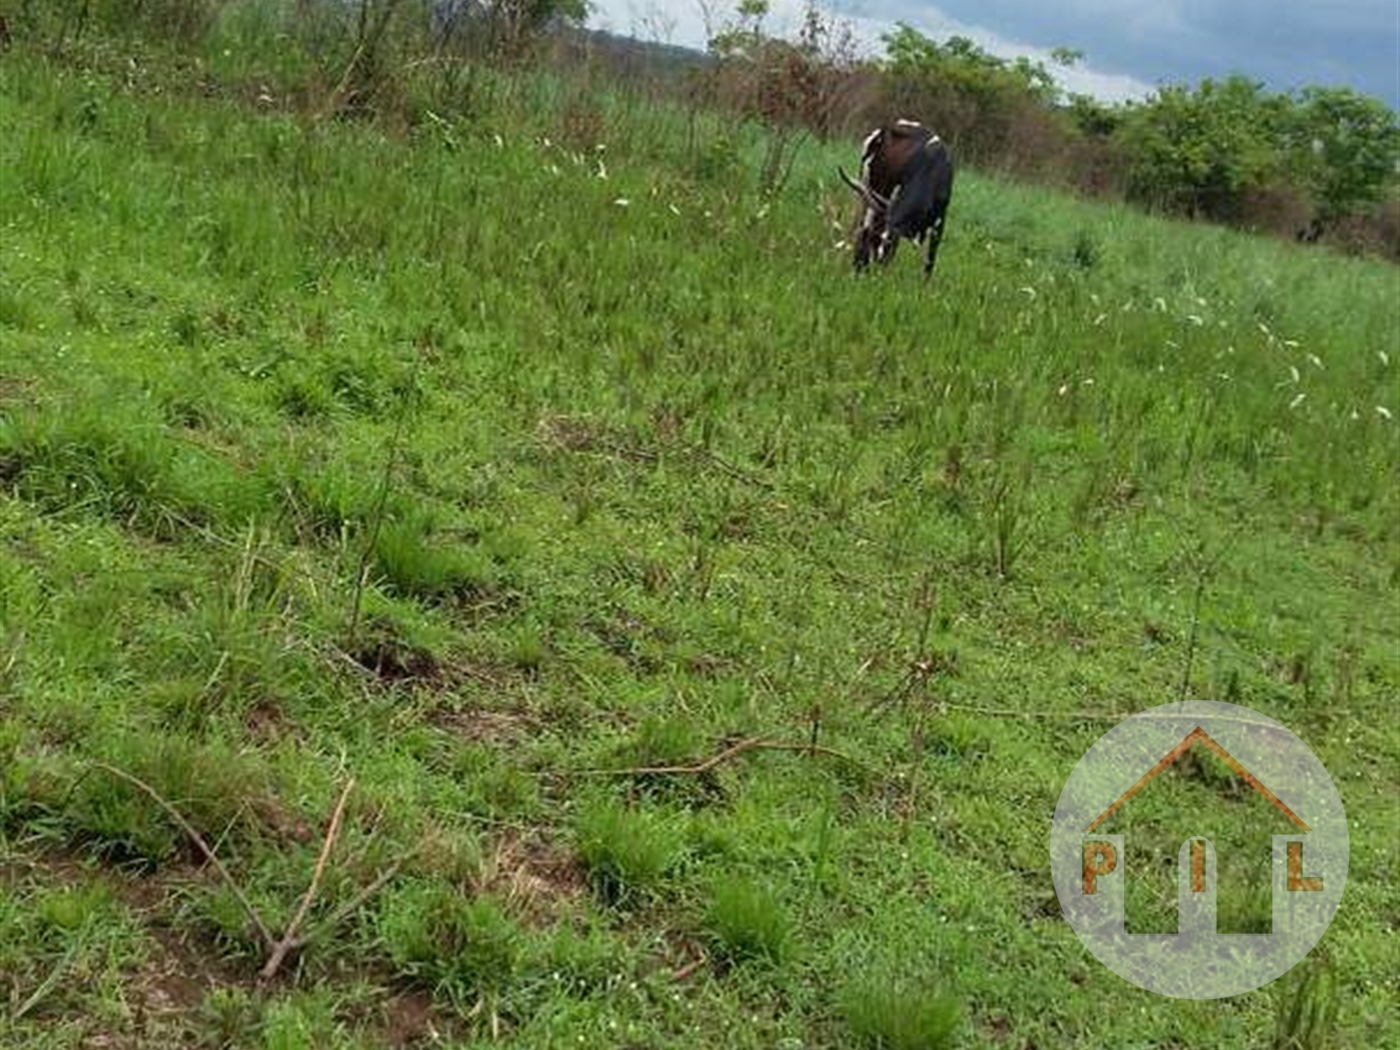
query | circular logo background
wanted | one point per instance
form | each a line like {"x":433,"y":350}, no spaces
{"x":1309,"y":849}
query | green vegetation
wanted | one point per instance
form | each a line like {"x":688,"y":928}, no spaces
{"x":503,"y":456}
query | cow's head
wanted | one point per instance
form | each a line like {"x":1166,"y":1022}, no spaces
{"x":874,"y":239}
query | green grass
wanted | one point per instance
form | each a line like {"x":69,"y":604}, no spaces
{"x":626,"y":483}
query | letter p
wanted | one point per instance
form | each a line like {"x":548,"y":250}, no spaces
{"x":1100,"y":858}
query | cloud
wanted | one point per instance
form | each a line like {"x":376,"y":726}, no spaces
{"x":686,"y":22}
{"x":1132,"y":46}
{"x":1286,"y":43}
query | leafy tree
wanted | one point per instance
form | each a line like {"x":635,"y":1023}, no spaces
{"x":1199,"y":151}
{"x":1344,"y":147}
{"x":909,"y":53}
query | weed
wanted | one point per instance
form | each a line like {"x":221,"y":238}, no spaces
{"x":889,"y":1012}
{"x":1307,"y":1007}
{"x":628,"y":852}
{"x":745,"y":920}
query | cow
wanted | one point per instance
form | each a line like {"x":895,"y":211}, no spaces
{"x":906,"y":183}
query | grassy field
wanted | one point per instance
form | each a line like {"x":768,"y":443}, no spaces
{"x":481,"y":461}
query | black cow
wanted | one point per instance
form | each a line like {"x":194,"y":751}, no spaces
{"x":906,"y":184}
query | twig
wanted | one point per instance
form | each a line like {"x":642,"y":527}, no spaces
{"x":688,"y":970}
{"x":355,"y":903}
{"x":199,"y":842}
{"x":285,"y":945}
{"x":754,"y":743}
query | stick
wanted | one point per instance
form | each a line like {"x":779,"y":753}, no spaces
{"x":755,"y":743}
{"x":198,"y":840}
{"x":285,"y":945}
{"x":355,"y":903}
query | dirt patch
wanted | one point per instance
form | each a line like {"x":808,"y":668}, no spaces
{"x":576,"y":434}
{"x":537,"y":877}
{"x":407,"y":1020}
{"x":393,"y":662}
{"x":14,"y":389}
{"x":482,"y":725}
{"x":267,"y":723}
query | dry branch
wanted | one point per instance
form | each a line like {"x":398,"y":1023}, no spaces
{"x":755,"y":743}
{"x":288,"y":941}
{"x":199,"y":842}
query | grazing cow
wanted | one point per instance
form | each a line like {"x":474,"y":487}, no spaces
{"x":906,"y":184}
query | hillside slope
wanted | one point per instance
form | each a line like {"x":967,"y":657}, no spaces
{"x":477,"y":470}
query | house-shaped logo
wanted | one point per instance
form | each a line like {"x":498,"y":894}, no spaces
{"x":1306,"y":859}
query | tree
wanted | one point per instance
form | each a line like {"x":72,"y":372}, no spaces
{"x":1199,"y":151}
{"x":1343,"y":147}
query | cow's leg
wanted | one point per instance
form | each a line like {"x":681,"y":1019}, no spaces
{"x":935,"y":237}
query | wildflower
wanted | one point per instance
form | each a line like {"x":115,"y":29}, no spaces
{"x":1064,"y":389}
{"x":1029,"y":292}
{"x":622,"y":202}
{"x":1385,"y":358}
{"x":1315,"y":360}
{"x":602,"y":169}
{"x":1297,"y":401}
{"x":1297,"y":376}
{"x":1383,"y":412}
{"x":1195,"y":320}
{"x":500,"y":142}
{"x":674,"y":209}
{"x":1100,"y":319}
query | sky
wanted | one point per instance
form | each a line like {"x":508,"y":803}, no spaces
{"x":1132,"y":46}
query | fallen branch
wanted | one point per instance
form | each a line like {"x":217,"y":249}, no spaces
{"x":355,"y":903}
{"x":289,"y":937}
{"x":199,"y":842}
{"x":755,"y":743}
{"x":290,"y":941}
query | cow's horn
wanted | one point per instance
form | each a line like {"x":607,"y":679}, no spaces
{"x":864,"y":191}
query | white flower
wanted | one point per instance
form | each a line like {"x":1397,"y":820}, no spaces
{"x":674,"y":209}
{"x":1195,"y":320}
{"x":1028,"y":292}
{"x":622,"y":202}
{"x":1315,"y":360}
{"x":1297,"y":376}
{"x":500,"y":142}
{"x":1100,"y":319}
{"x":1383,"y":412}
{"x":1297,"y":401}
{"x":1385,"y":358}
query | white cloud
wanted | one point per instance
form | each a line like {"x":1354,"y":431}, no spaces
{"x":685,"y":22}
